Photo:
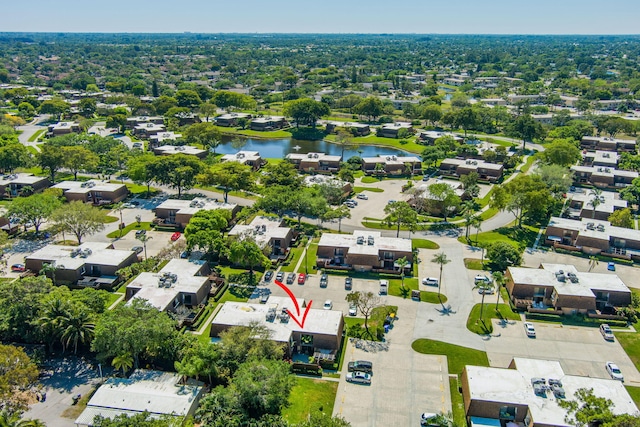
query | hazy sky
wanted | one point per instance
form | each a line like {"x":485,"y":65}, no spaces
{"x":325,"y":16}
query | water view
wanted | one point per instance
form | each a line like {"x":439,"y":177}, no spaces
{"x":278,"y":148}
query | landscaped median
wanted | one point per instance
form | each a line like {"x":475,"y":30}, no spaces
{"x":485,"y":325}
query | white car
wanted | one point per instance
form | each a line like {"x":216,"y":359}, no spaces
{"x":430,"y":281}
{"x":358,"y":377}
{"x":362,"y":196}
{"x":529,"y":329}
{"x":328,"y":305}
{"x":614,"y":371}
{"x":606,"y":332}
{"x":353,"y":310}
{"x":480,"y":278}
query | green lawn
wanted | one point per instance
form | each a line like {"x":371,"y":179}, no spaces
{"x":473,"y":264}
{"x":294,"y":256}
{"x":312,"y":253}
{"x":369,"y":180}
{"x":307,"y":396}
{"x":630,"y":341}
{"x":525,"y":168}
{"x":32,"y":150}
{"x":396,"y":289}
{"x":128,"y":228}
{"x":254,"y":133}
{"x":36,"y":135}
{"x":137,"y":189}
{"x":113,"y":297}
{"x":504,"y":312}
{"x":457,"y":356}
{"x":109,"y":219}
{"x":634,"y":392}
{"x":433,"y":297}
{"x":518,"y":237}
{"x":424,"y":244}
{"x":457,"y":404}
{"x":371,"y":189}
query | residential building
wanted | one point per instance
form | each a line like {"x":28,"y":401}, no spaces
{"x":181,"y":282}
{"x":454,"y":81}
{"x":315,"y":162}
{"x":320,"y":337}
{"x":562,"y":289}
{"x":92,"y":264}
{"x":164,"y":137}
{"x":157,"y":393}
{"x":603,"y":177}
{"x":186,"y":118}
{"x":569,"y":101}
{"x":133,"y":122}
{"x":267,"y":233}
{"x":486,"y":171}
{"x":358,"y":129}
{"x":63,"y":128}
{"x":311,"y":180}
{"x":390,"y":130}
{"x":607,"y":159}
{"x":493,"y":101}
{"x":178,"y":213}
{"x":581,"y":204}
{"x":169,"y":150}
{"x":268,"y":123}
{"x":513,"y":99}
{"x":146,"y":130}
{"x":13,"y":184}
{"x":429,"y":137}
{"x":249,"y":158}
{"x":231,"y":119}
{"x":392,"y":165}
{"x":363,"y":251}
{"x":93,"y":191}
{"x":529,"y":393}
{"x":593,"y":237}
{"x":608,"y":144}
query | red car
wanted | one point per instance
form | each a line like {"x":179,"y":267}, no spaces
{"x":302,"y":278}
{"x":175,"y":236}
{"x":18,"y":268}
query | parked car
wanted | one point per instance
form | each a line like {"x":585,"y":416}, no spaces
{"x":425,"y":178}
{"x":606,"y":332}
{"x":529,"y":329}
{"x":384,"y":287}
{"x":430,"y":281}
{"x":18,"y":268}
{"x":355,"y":202}
{"x":184,"y":254}
{"x":350,"y":204}
{"x":137,"y":249}
{"x":360,"y":365}
{"x":328,"y":305}
{"x":391,"y":201}
{"x":348,"y":283}
{"x":268,"y":275}
{"x":480,"y":278}
{"x":280,"y":276}
{"x":488,"y":290}
{"x":614,"y":371}
{"x":359,"y":377}
{"x":362,"y":196}
{"x":291,"y":277}
{"x":175,"y":236}
{"x":140,"y":233}
{"x":324,"y":281}
{"x":611,"y":266}
{"x":302,"y":278}
{"x":353,"y":310}
{"x":264,"y":298}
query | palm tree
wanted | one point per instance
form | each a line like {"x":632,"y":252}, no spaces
{"x":499,"y":278}
{"x":144,"y":239}
{"x":468,"y":210}
{"x":440,"y":258}
{"x":50,"y":268}
{"x":78,"y":326}
{"x":593,"y":262}
{"x":595,"y":201}
{"x":8,"y":419}
{"x":483,"y":287}
{"x":50,"y":322}
{"x":123,"y":361}
{"x":402,"y":263}
{"x":477,"y":224}
{"x":119,"y":207}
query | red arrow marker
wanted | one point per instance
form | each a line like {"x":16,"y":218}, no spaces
{"x":295,"y":302}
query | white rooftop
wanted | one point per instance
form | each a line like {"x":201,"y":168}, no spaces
{"x":74,"y":257}
{"x":609,"y":200}
{"x":229,"y":116}
{"x":432,"y":134}
{"x":192,"y":206}
{"x":472,"y":163}
{"x":348,"y":124}
{"x":604,"y":171}
{"x":397,"y":125}
{"x":318,"y":321}
{"x":156,"y":392}
{"x":513,"y":386}
{"x":21,"y":178}
{"x":262,"y":229}
{"x":166,"y":136}
{"x":178,"y":149}
{"x":267,"y":119}
{"x":241,"y":157}
{"x":63,"y":125}
{"x":379,"y":243}
{"x":608,"y":158}
{"x":310,"y":180}
{"x":150,"y":127}
{"x":608,"y":140}
{"x":391,"y":160}
{"x":313,"y":157}
{"x":595,"y":228}
{"x":161,"y":297}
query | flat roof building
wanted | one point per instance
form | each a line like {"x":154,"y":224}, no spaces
{"x":600,"y":158}
{"x":179,"y":212}
{"x":249,"y":158}
{"x":529,"y":393}
{"x":607,"y":144}
{"x":430,"y":136}
{"x":12,"y":185}
{"x":63,"y":128}
{"x":159,"y":138}
{"x":169,"y":150}
{"x":315,"y":162}
{"x":180,"y":282}
{"x":267,"y":232}
{"x":580,"y":205}
{"x":132,"y":122}
{"x":358,"y":129}
{"x":392,"y":165}
{"x":601,"y":176}
{"x":158,"y":393}
{"x":268,"y":123}
{"x":231,"y":119}
{"x":93,"y":191}
{"x":391,"y":130}
{"x":491,"y":172}
{"x":146,"y":130}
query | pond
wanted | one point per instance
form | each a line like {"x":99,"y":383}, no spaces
{"x":279,"y":148}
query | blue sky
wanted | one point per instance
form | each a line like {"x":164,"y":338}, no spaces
{"x":325,"y":16}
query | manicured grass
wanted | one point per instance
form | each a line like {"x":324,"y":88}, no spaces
{"x":432,"y":297}
{"x":575,"y":320}
{"x":489,"y":213}
{"x":109,"y":219}
{"x":31,"y":149}
{"x":527,"y":165}
{"x":236,"y":294}
{"x":312,"y":253}
{"x":133,"y":226}
{"x":396,"y":289}
{"x":473,"y":264}
{"x":36,"y":135}
{"x":308,"y":396}
{"x":113,"y":297}
{"x":478,"y":327}
{"x":294,"y":256}
{"x":204,"y":337}
{"x":634,"y":392}
{"x":457,"y":356}
{"x":371,"y":189}
{"x":518,"y":237}
{"x":630,"y":341}
{"x":457,"y":404}
{"x":424,"y":244}
{"x":369,"y":180}
{"x":254,"y":133}
{"x":136,"y":189}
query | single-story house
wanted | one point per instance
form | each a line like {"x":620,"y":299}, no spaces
{"x":249,"y":158}
{"x":363,"y":251}
{"x":267,"y":233}
{"x":392,"y":165}
{"x":96,"y":192}
{"x":146,"y":130}
{"x":491,"y":172}
{"x":133,"y":122}
{"x":158,"y":393}
{"x":390,"y":130}
{"x":581,"y":206}
{"x":315,"y":162}
{"x":180,"y":282}
{"x":322,"y":332}
{"x":359,"y":129}
{"x":12,"y":185}
{"x":92,"y":264}
{"x":565,"y":289}
{"x":179,"y":212}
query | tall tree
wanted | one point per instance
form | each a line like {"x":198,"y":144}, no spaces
{"x":32,"y":211}
{"x":526,"y":128}
{"x":305,"y":111}
{"x":441,"y":259}
{"x":141,"y":169}
{"x":51,"y":158}
{"x":231,"y":176}
{"x":399,"y":214}
{"x":246,"y":252}
{"x":79,"y":218}
{"x":17,"y":374}
{"x":178,"y":171}
{"x":366,"y":302}
{"x":596,"y":200}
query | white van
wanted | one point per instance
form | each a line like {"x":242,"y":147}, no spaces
{"x":384,"y":287}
